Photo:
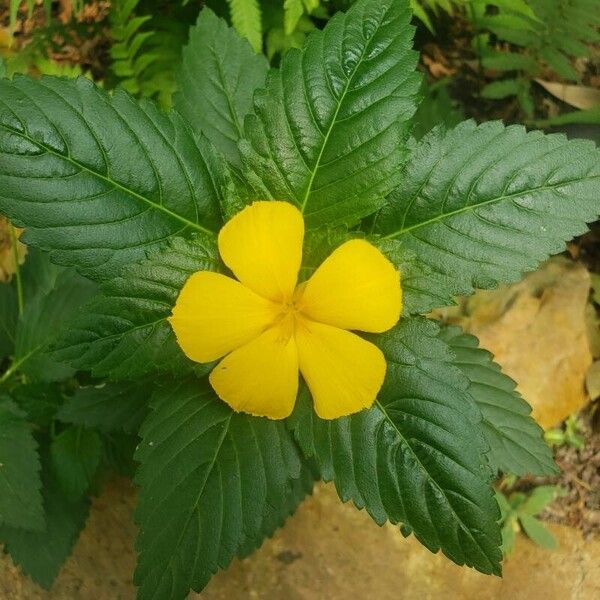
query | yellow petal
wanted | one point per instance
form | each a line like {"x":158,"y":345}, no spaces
{"x":260,"y":378}
{"x":343,"y":372}
{"x":262,"y":245}
{"x":215,"y":314}
{"x":356,"y":287}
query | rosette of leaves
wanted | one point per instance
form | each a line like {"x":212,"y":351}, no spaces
{"x":132,"y":198}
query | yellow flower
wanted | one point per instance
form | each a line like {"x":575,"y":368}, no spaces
{"x":268,"y":328}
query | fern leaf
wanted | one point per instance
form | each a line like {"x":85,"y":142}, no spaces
{"x":246,"y":17}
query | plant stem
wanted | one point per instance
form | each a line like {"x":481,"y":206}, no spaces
{"x":14,"y":242}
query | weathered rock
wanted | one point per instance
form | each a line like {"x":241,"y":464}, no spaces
{"x":325,"y":551}
{"x":537,"y":331}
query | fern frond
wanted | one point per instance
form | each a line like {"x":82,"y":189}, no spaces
{"x":246,"y":17}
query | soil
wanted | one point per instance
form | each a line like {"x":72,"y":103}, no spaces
{"x":580,"y":478}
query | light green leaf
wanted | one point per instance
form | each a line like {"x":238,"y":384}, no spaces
{"x":417,"y":456}
{"x":20,"y":498}
{"x":109,"y":406}
{"x":75,"y":455}
{"x":539,"y":499}
{"x":329,"y":129}
{"x":41,"y":554}
{"x":482,"y":204}
{"x":247,"y":19}
{"x":509,"y":535}
{"x":292,"y":11}
{"x":124,"y":332}
{"x":217,"y":79}
{"x":211,"y":481}
{"x":96,"y":179}
{"x":537,"y":532}
{"x":516,"y":440}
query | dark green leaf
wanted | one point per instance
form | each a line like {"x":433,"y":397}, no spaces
{"x":299,"y":489}
{"x":217,"y":79}
{"x":124,"y":332}
{"x":329,"y":129}
{"x":9,"y":314}
{"x":75,"y":455}
{"x":516,"y":440}
{"x":20,"y":498}
{"x":109,"y":406}
{"x":417,"y":456}
{"x":40,"y":401}
{"x":42,"y":554}
{"x":46,"y":316}
{"x":97,"y":179}
{"x":212,"y":481}
{"x":482,"y":204}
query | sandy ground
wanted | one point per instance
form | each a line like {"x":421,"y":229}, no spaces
{"x":325,"y":551}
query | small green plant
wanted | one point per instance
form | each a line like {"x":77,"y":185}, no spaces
{"x":135,"y":206}
{"x":146,"y":47}
{"x":570,"y":435}
{"x":523,"y":39}
{"x":519,"y":511}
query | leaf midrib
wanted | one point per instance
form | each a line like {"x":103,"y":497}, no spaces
{"x":334,"y":118}
{"x":432,"y":480}
{"x":227,"y":423}
{"x":109,"y":181}
{"x":470,"y":207}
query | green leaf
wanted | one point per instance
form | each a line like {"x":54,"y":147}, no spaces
{"x":299,"y":489}
{"x":329,"y":129}
{"x":109,"y":406}
{"x":39,"y":401}
{"x":45,"y":316}
{"x":539,"y":498}
{"x":124,"y":332}
{"x":560,"y":64}
{"x":501,"y":89}
{"x":9,"y":315}
{"x":482,"y":204}
{"x":211,"y":481}
{"x":417,"y":456}
{"x":247,"y":19}
{"x":292,"y":11}
{"x":42,"y":554}
{"x":20,"y":498}
{"x":98,"y":180}
{"x":590,"y":115}
{"x":75,"y":454}
{"x":516,"y":440}
{"x":537,"y":532}
{"x":508,"y":536}
{"x":217,"y":79}
{"x":509,"y":61}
